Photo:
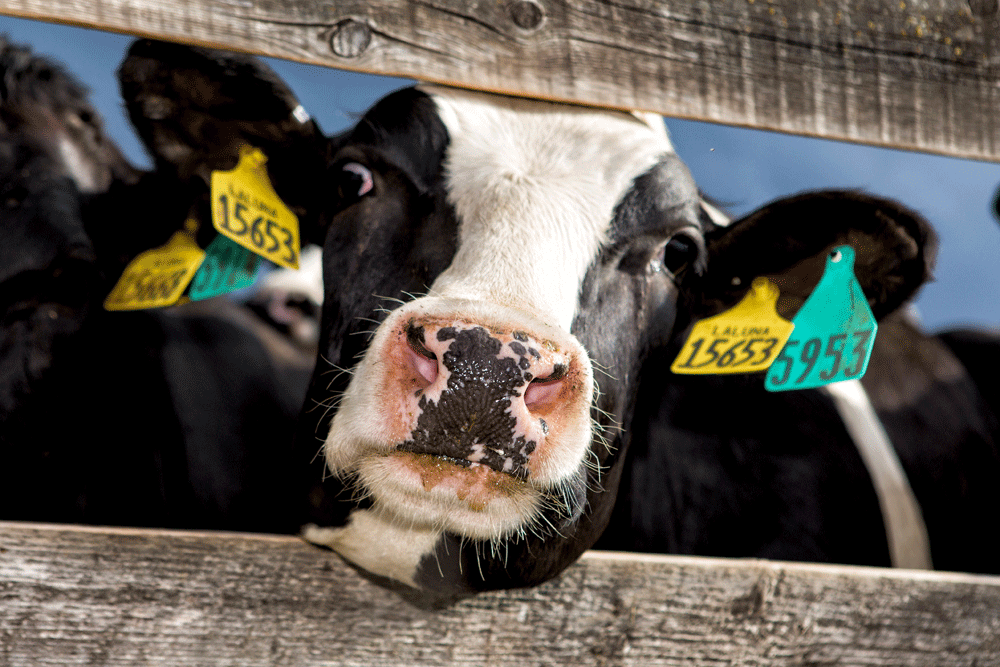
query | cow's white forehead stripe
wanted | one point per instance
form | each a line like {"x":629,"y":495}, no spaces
{"x":535,"y":186}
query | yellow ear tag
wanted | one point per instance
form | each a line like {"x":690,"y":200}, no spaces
{"x":744,"y":339}
{"x":157,"y":277}
{"x":246,"y":209}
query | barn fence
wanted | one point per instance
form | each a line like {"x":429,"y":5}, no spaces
{"x":915,"y":74}
{"x":91,"y":596}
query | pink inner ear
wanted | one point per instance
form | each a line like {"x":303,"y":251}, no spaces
{"x":540,"y":392}
{"x":425,"y":368}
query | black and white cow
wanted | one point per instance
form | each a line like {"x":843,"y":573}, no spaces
{"x":168,"y":418}
{"x":506,"y":284}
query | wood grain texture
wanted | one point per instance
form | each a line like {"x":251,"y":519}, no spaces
{"x":920,"y":74}
{"x":85,"y":596}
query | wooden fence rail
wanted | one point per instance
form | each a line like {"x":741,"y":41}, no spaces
{"x":86,"y":596}
{"x":919,"y":74}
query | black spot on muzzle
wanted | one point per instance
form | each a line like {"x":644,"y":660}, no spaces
{"x":473,"y":413}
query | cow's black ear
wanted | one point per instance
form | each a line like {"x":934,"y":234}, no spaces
{"x":788,"y":241}
{"x":193,"y":108}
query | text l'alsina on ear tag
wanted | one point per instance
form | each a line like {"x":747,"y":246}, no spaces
{"x":834,"y":332}
{"x":227,"y":268}
{"x":743,"y":339}
{"x":159,"y":276}
{"x":246,"y":208}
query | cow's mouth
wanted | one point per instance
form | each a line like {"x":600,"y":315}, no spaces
{"x":509,"y":461}
{"x":472,"y":500}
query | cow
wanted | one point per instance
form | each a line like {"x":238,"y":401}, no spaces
{"x":149,"y":418}
{"x":718,"y":466}
{"x":506,"y":282}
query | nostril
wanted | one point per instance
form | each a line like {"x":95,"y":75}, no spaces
{"x":539,"y":393}
{"x":425,"y":368}
{"x":424,"y":361}
{"x":542,"y":390}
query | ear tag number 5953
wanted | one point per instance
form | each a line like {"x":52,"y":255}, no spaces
{"x":744,"y":339}
{"x":246,"y":209}
{"x":834,"y":332}
{"x":157,"y":277}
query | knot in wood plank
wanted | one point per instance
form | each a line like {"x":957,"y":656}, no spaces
{"x":527,"y":14}
{"x":350,"y":38}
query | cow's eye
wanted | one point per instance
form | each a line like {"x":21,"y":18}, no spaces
{"x":355,"y":181}
{"x":680,"y":251}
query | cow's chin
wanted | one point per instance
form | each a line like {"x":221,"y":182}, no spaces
{"x":472,"y":501}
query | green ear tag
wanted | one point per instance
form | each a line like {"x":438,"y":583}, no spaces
{"x":227,"y":268}
{"x":246,"y":208}
{"x":834,"y":332}
{"x":742,"y":339}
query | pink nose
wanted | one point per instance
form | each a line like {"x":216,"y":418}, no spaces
{"x":482,"y":396}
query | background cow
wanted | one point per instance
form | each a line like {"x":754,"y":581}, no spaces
{"x":719,"y":466}
{"x":179,"y":417}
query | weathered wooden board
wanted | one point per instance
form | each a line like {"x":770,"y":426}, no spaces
{"x":922,"y":74}
{"x":79,"y":596}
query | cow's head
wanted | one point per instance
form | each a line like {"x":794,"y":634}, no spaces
{"x":494,"y":269}
{"x":476,"y":426}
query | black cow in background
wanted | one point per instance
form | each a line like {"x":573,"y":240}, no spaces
{"x":470,"y":448}
{"x":180,"y":417}
{"x":718,"y":466}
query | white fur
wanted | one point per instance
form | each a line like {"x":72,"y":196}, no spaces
{"x":377,"y":543}
{"x":535,"y":185}
{"x":307,"y":280}
{"x":909,"y":546}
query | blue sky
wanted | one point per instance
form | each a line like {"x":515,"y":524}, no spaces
{"x":744,"y":168}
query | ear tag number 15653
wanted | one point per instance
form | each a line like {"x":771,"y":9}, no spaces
{"x":246,"y":209}
{"x":744,"y":339}
{"x":834,"y":332}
